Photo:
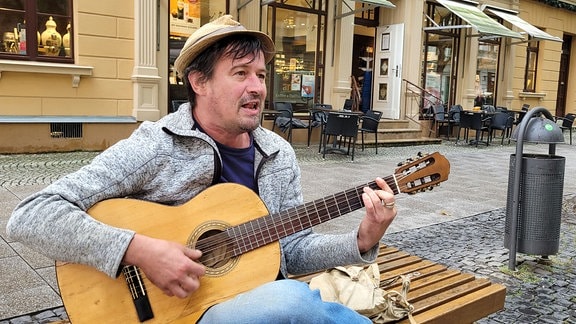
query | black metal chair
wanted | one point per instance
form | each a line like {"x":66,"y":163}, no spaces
{"x":567,"y":123}
{"x":489,"y":109}
{"x":521,"y":114}
{"x":502,"y":121}
{"x":285,"y":119}
{"x":454,"y":117}
{"x":369,"y":124}
{"x":443,"y":118}
{"x":318,"y":118}
{"x":439,"y":118}
{"x":343,"y":125}
{"x":348,"y":105}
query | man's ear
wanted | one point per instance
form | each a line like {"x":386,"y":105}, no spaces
{"x":196,"y":82}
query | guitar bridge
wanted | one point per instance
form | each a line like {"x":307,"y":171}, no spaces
{"x":138,"y":293}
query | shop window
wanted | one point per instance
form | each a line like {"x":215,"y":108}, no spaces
{"x":486,"y":72}
{"x":296,"y":75}
{"x":36,"y":30}
{"x":531,"y":66}
{"x":440,"y":58}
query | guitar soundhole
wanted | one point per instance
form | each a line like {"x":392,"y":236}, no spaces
{"x":216,"y":247}
{"x":216,"y":255}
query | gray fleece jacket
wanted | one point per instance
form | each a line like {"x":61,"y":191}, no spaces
{"x":168,"y":162}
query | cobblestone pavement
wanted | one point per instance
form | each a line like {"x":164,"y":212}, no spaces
{"x":459,"y":224}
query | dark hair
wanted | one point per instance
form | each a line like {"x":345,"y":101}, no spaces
{"x":235,"y":46}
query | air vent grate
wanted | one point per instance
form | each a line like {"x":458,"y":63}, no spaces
{"x":66,"y":130}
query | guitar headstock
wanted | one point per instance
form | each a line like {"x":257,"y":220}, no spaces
{"x":422,"y":173}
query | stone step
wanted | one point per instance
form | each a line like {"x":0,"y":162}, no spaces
{"x":400,"y":141}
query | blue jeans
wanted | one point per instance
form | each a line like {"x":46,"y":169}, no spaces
{"x":281,"y":301}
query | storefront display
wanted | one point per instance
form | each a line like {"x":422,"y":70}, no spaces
{"x":51,"y":39}
{"x":66,"y":41}
{"x":184,"y":17}
{"x":9,"y":43}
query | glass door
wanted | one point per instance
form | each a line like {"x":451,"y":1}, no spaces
{"x":486,"y":73}
{"x":297,"y":70}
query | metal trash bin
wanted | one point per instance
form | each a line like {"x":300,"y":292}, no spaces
{"x":540,"y":204}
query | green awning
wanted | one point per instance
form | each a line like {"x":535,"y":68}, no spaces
{"x":372,"y":3}
{"x":531,"y":30}
{"x":479,"y":20}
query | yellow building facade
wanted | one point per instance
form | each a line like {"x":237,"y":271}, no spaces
{"x":118,"y":71}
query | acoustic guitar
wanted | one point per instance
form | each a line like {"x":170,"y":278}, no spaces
{"x":231,"y":226}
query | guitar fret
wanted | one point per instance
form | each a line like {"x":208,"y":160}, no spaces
{"x":284,"y":232}
{"x":347,"y":209}
{"x":274,"y":235}
{"x":243,"y":246}
{"x":269,"y":237}
{"x":251,"y":235}
{"x":300,"y":225}
{"x":236,"y":249}
{"x":315,"y":212}
{"x":261,"y":238}
{"x":291,"y":229}
{"x":334,"y":209}
{"x":254,"y":233}
{"x":323,"y":212}
{"x":355,"y":201}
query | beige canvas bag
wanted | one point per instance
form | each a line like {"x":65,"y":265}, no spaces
{"x":359,"y":289}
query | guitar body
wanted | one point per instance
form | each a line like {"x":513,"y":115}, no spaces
{"x":90,"y":296}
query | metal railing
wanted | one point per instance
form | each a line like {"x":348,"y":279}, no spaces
{"x":418,"y":104}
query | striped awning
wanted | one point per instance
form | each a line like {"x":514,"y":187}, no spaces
{"x":515,"y":20}
{"x":485,"y":25}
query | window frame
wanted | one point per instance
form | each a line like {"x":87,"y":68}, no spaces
{"x":532,"y":51}
{"x":31,"y":16}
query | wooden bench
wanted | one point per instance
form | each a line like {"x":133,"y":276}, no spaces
{"x":438,"y":294}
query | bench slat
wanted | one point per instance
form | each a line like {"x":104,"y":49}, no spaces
{"x":466,"y":309}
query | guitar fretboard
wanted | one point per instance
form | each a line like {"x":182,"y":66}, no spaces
{"x":264,"y":230}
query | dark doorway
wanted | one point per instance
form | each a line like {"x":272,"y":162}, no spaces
{"x":563,"y":76}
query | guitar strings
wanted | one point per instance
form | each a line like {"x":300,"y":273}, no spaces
{"x":288,"y":217}
{"x":284,"y":218}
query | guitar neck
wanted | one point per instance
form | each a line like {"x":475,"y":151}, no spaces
{"x":264,"y":230}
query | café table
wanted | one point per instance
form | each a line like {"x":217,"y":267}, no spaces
{"x":477,"y":120}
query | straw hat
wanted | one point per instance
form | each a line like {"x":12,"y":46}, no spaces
{"x":213,"y":31}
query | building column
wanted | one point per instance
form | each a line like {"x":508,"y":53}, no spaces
{"x":340,"y":61}
{"x":467,"y":69}
{"x":145,"y":75}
